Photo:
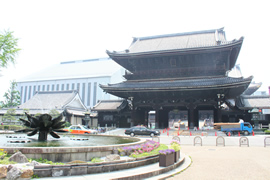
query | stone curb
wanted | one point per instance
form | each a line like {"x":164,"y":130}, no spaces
{"x":90,"y":168}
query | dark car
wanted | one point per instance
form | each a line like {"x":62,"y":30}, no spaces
{"x":141,"y":130}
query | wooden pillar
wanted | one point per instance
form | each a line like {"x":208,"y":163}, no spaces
{"x":191,"y":117}
{"x":219,"y":115}
{"x":162,"y":118}
{"x":157,"y":120}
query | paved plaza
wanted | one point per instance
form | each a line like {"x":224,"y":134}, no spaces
{"x":217,"y":162}
{"x":229,"y":162}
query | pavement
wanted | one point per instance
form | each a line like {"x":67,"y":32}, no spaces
{"x":229,"y":162}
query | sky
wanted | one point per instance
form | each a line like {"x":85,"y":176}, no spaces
{"x":53,"y":31}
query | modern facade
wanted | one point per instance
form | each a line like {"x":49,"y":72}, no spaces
{"x":84,"y":76}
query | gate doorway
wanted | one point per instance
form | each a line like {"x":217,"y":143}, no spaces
{"x":206,"y":119}
{"x":178,"y":118}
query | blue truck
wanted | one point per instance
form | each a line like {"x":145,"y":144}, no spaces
{"x":244,"y":128}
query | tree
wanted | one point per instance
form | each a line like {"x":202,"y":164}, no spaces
{"x":12,"y":96}
{"x":8,"y":48}
{"x":54,"y":113}
{"x":10,"y":115}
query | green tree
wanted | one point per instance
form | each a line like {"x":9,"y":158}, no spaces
{"x":37,"y":115}
{"x":54,"y":113}
{"x":12,"y":96}
{"x":10,"y":115}
{"x":25,"y":111}
{"x":8,"y":48}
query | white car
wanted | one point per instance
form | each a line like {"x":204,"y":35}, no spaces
{"x":80,"y":129}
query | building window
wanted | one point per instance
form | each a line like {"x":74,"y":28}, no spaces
{"x":63,"y":87}
{"x":43,"y":88}
{"x":34,"y":90}
{"x":53,"y":87}
{"x":67,"y":87}
{"x":89,"y":94}
{"x":21,"y":92}
{"x":73,"y":86}
{"x":38,"y":87}
{"x":48,"y":87}
{"x":108,"y":118}
{"x":173,"y":62}
{"x":29,"y":93}
{"x":57,"y":87}
{"x":95,"y":94}
{"x":83,"y":92}
{"x":25,"y":93}
{"x":78,"y":87}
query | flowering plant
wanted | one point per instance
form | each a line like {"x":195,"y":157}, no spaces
{"x":148,"y":146}
{"x":174,"y":142}
{"x":166,"y":151}
{"x":3,"y":153}
{"x":175,"y":145}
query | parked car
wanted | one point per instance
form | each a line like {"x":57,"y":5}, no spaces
{"x":141,"y":130}
{"x":80,"y":129}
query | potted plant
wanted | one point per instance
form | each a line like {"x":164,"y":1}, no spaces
{"x":166,"y":157}
{"x":175,"y":145}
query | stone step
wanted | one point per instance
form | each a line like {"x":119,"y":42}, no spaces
{"x":152,"y":171}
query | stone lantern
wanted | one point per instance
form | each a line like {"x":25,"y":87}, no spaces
{"x":255,"y":117}
{"x":87,"y":118}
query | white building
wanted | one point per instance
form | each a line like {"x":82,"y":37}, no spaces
{"x":83,"y":76}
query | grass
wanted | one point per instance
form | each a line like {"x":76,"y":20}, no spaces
{"x":45,"y":161}
{"x":6,"y":161}
{"x":96,"y":160}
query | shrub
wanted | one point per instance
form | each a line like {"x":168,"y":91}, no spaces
{"x":267,"y":131}
{"x":175,"y":145}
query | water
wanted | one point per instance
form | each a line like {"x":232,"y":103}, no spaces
{"x":22,"y":140}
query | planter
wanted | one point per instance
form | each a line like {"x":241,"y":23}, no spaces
{"x":176,"y":156}
{"x":166,"y":159}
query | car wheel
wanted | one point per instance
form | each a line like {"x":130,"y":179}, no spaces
{"x":132,"y":134}
{"x":152,"y":134}
{"x":86,"y":133}
{"x":246,"y":133}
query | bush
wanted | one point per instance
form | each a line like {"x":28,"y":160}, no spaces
{"x":10,"y":127}
{"x":67,"y":124}
{"x":267,"y":131}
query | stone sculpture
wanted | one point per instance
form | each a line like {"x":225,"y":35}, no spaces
{"x":44,"y":124}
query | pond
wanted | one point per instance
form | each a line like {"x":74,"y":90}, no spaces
{"x":65,"y":140}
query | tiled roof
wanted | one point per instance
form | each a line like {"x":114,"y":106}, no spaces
{"x":49,"y":100}
{"x":109,"y":105}
{"x":31,"y":111}
{"x":253,"y":87}
{"x":249,"y":102}
{"x":188,"y":40}
{"x":177,"y":84}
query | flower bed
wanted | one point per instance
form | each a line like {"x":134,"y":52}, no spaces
{"x":148,"y":148}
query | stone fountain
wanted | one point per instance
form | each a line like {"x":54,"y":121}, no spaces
{"x":45,"y":125}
